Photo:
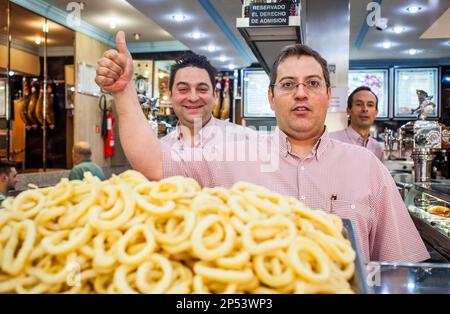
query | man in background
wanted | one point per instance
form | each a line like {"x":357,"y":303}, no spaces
{"x":8,"y":179}
{"x":362,"y":108}
{"x":81,"y":155}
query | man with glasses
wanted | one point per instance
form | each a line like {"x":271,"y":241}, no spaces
{"x":362,"y":108}
{"x":305,"y":163}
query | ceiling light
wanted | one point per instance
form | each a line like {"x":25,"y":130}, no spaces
{"x":412,"y":52}
{"x":178,"y":17}
{"x":161,"y":75}
{"x":387,"y":45}
{"x":211,"y":48}
{"x":137,"y":36}
{"x":38,"y":40}
{"x":196,"y":35}
{"x":11,"y":73}
{"x":222,"y":59}
{"x":112,"y":24}
{"x":45,"y":27}
{"x":231,"y":66}
{"x":398,"y":29}
{"x":413,"y":9}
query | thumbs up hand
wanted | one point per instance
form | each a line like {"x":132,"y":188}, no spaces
{"x":115,"y":69}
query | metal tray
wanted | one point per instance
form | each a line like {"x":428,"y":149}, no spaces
{"x":359,"y":280}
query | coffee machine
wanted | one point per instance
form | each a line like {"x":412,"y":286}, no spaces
{"x":421,"y":139}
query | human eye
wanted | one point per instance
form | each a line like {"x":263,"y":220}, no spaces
{"x":203,"y":89}
{"x":288,"y":84}
{"x":182,"y":89}
{"x":313,"y":83}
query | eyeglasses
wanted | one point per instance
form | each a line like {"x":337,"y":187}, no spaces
{"x":311,"y":86}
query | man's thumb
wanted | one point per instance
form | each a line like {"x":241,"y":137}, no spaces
{"x":121,"y":43}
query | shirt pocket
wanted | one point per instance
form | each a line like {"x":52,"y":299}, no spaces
{"x":354,"y":211}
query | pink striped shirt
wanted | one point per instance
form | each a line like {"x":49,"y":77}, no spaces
{"x":366,"y":193}
{"x":349,"y":135}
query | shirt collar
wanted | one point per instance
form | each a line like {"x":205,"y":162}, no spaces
{"x":317,"y":151}
{"x":355,"y":137}
{"x":205,"y":133}
{"x":83,"y":161}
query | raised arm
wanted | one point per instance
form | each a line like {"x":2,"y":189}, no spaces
{"x":141,"y":145}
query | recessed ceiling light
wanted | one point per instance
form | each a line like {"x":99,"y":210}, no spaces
{"x":412,"y":52}
{"x":211,"y":48}
{"x":398,"y":29}
{"x":196,"y":35}
{"x":413,"y":9}
{"x":38,"y":40}
{"x":11,"y":73}
{"x":137,"y":36}
{"x":387,"y":45}
{"x":178,"y":17}
{"x":231,"y":66}
{"x":112,"y":24}
{"x":222,"y":59}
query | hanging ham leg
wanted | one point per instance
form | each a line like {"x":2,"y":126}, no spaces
{"x":31,"y":110}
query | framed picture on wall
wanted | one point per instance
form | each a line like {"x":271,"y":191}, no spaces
{"x":377,"y":80}
{"x":86,"y":80}
{"x":407,"y":82}
{"x":256,"y":102}
{"x":2,"y":98}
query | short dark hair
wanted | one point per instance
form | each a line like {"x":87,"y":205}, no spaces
{"x":358,"y":89}
{"x":6,"y":166}
{"x":298,"y":50}
{"x":191,"y":59}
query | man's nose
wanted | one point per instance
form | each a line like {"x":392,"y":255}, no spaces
{"x":193,"y":95}
{"x":300,"y":91}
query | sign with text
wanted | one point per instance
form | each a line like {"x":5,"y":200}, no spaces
{"x":269,"y":14}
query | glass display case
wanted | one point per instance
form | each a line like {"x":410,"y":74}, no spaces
{"x":410,"y":278}
{"x":429,"y":206}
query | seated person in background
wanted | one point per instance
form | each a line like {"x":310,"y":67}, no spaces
{"x":8,"y":178}
{"x":362,"y":108}
{"x":81,"y":154}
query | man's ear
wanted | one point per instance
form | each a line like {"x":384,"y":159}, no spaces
{"x":270,"y":96}
{"x":329,"y":94}
{"x":3,"y":177}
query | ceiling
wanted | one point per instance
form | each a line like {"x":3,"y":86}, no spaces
{"x":428,"y":31}
{"x":127,"y":18}
{"x":213,"y":19}
{"x":434,"y":16}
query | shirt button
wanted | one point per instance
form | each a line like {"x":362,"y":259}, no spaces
{"x":302,"y":168}
{"x":352,"y":206}
{"x":303,"y":197}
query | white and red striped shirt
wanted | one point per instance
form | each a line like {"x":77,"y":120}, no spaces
{"x":349,"y":135}
{"x":366,"y":193}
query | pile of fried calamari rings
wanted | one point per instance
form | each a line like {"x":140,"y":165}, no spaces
{"x":131,"y":235}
